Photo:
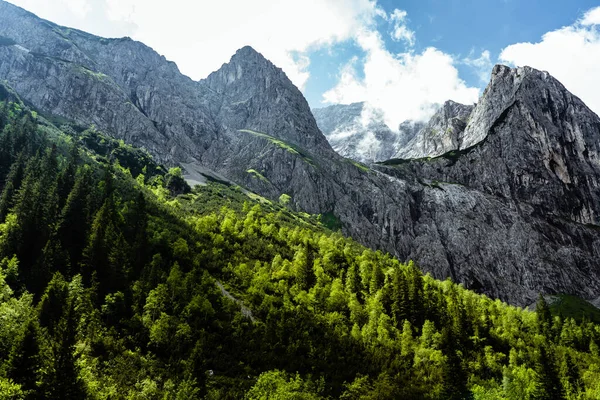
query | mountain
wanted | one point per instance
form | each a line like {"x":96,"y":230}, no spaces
{"x":358,"y":131}
{"x":528,"y":141}
{"x":477,"y":220}
{"x":141,"y":288}
{"x":440,"y":135}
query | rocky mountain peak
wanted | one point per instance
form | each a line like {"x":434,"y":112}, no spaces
{"x":252,"y":93}
{"x":251,"y":69}
{"x":506,"y":86}
{"x":531,"y":141}
{"x":248,"y":53}
{"x":440,"y":135}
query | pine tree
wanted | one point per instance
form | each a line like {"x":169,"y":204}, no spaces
{"x":377,"y":278}
{"x":72,"y":225}
{"x":25,"y":361}
{"x":63,"y":381}
{"x":12,"y":185}
{"x":302,"y":271}
{"x":140,"y":241}
{"x":454,"y":373}
{"x":416,"y":296}
{"x":570,"y":373}
{"x":105,"y":255}
{"x":400,"y":300}
{"x":543,"y":316}
{"x":548,"y":385}
{"x":66,"y":178}
{"x":52,"y":304}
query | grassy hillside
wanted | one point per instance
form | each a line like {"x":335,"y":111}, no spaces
{"x":118,"y":282}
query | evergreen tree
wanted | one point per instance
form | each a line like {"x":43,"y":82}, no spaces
{"x":72,"y":225}
{"x":400,"y":300}
{"x":548,"y":385}
{"x":25,"y":361}
{"x":66,"y":177}
{"x":52,"y":304}
{"x":140,"y":242}
{"x":454,"y":373}
{"x":63,"y":381}
{"x":570,"y":374}
{"x":544,"y":317}
{"x":416,"y":296}
{"x":105,"y":255}
{"x":12,"y":185}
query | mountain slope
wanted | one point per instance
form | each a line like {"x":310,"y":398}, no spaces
{"x":248,"y":123}
{"x":111,"y":287}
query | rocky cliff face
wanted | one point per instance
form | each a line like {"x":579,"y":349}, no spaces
{"x":528,"y":141}
{"x":248,"y":123}
{"x":441,"y":134}
{"x":359,"y":132}
{"x":354,"y":131}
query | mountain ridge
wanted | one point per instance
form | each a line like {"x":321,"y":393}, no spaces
{"x":358,"y":131}
{"x":270,"y":144}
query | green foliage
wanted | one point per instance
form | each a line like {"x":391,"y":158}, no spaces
{"x":137,"y":161}
{"x":175,"y":183}
{"x":285,"y":199}
{"x":280,"y":385}
{"x":258,"y":175}
{"x":331,"y":221}
{"x":568,"y":306}
{"x":113,"y":287}
{"x":281,"y":144}
{"x":358,"y":165}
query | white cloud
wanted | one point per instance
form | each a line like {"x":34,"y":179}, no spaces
{"x":482,"y":65}
{"x":88,"y":15}
{"x":403,"y":86}
{"x":571,"y":54}
{"x":591,"y":17}
{"x":401,"y":31}
{"x":201,"y":35}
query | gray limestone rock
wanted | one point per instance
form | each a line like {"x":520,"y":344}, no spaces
{"x":358,"y":132}
{"x":441,"y":134}
{"x":540,"y":148}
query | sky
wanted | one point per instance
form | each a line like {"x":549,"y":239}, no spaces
{"x":401,"y":57}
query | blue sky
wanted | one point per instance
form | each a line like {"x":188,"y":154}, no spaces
{"x":403,"y":58}
{"x":457,"y":27}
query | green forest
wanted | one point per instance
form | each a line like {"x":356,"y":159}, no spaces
{"x":118,"y":281}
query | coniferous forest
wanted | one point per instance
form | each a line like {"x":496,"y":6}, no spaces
{"x":118,"y":281}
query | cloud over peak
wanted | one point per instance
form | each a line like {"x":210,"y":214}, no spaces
{"x":571,"y":54}
{"x":404,"y":86}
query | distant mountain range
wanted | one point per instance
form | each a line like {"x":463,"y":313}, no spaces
{"x":359,"y":132}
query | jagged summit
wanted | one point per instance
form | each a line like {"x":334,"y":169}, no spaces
{"x":529,"y":140}
{"x":246,"y":65}
{"x":525,"y":87}
{"x":257,"y":95}
{"x":440,"y":135}
{"x":247,"y":52}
